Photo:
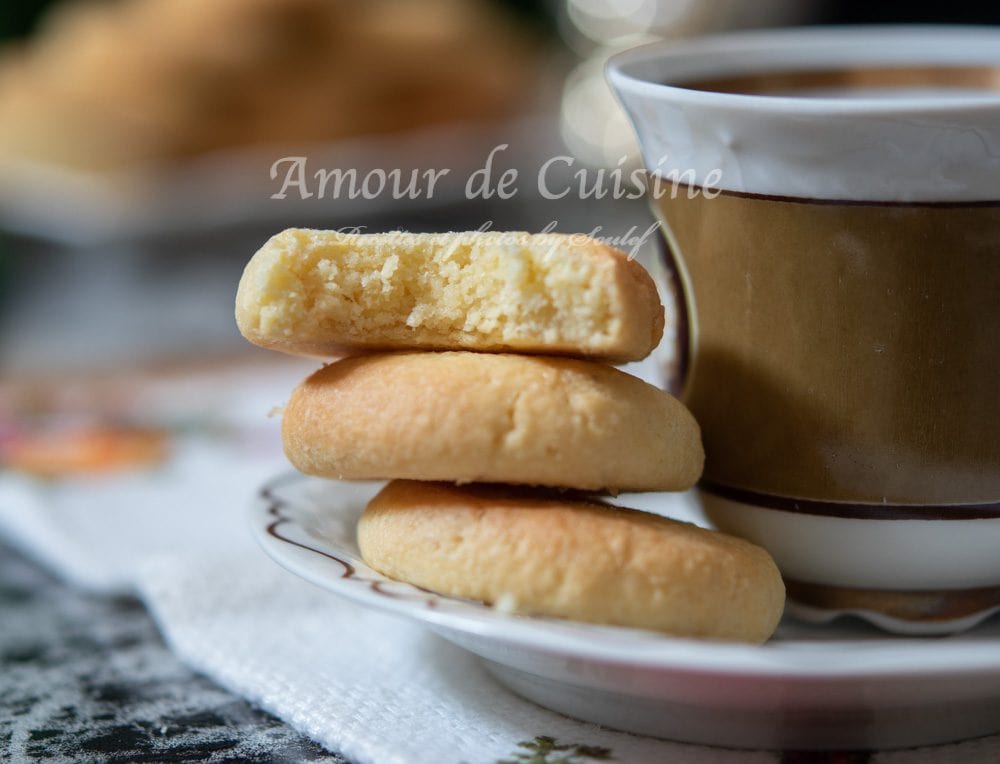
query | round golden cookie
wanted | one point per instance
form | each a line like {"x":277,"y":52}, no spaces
{"x":539,"y":553}
{"x":477,"y":417}
{"x":329,"y":293}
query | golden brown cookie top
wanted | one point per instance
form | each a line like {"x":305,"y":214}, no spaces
{"x":484,"y":417}
{"x":541,"y":553}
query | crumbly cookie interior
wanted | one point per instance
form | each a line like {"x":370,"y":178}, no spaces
{"x":506,"y":289}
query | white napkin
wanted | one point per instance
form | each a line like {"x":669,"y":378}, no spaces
{"x":366,"y":685}
{"x":372,"y":687}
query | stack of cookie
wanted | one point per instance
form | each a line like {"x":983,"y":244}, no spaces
{"x":477,"y":379}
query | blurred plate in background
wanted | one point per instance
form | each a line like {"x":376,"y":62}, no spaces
{"x":233,"y":188}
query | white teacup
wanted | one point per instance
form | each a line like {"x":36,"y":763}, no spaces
{"x":831,"y":203}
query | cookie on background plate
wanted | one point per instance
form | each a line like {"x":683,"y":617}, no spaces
{"x":483,"y":417}
{"x":327,"y":293}
{"x":541,"y":553}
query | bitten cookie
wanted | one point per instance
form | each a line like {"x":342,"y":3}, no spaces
{"x":327,"y":293}
{"x":541,"y":554}
{"x":479,"y":417}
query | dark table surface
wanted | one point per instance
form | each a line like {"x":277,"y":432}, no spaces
{"x":87,"y":678}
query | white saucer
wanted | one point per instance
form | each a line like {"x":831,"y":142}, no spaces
{"x":842,"y":685}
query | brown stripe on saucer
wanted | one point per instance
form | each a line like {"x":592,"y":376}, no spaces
{"x":855,"y":511}
{"x":924,"y":606}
